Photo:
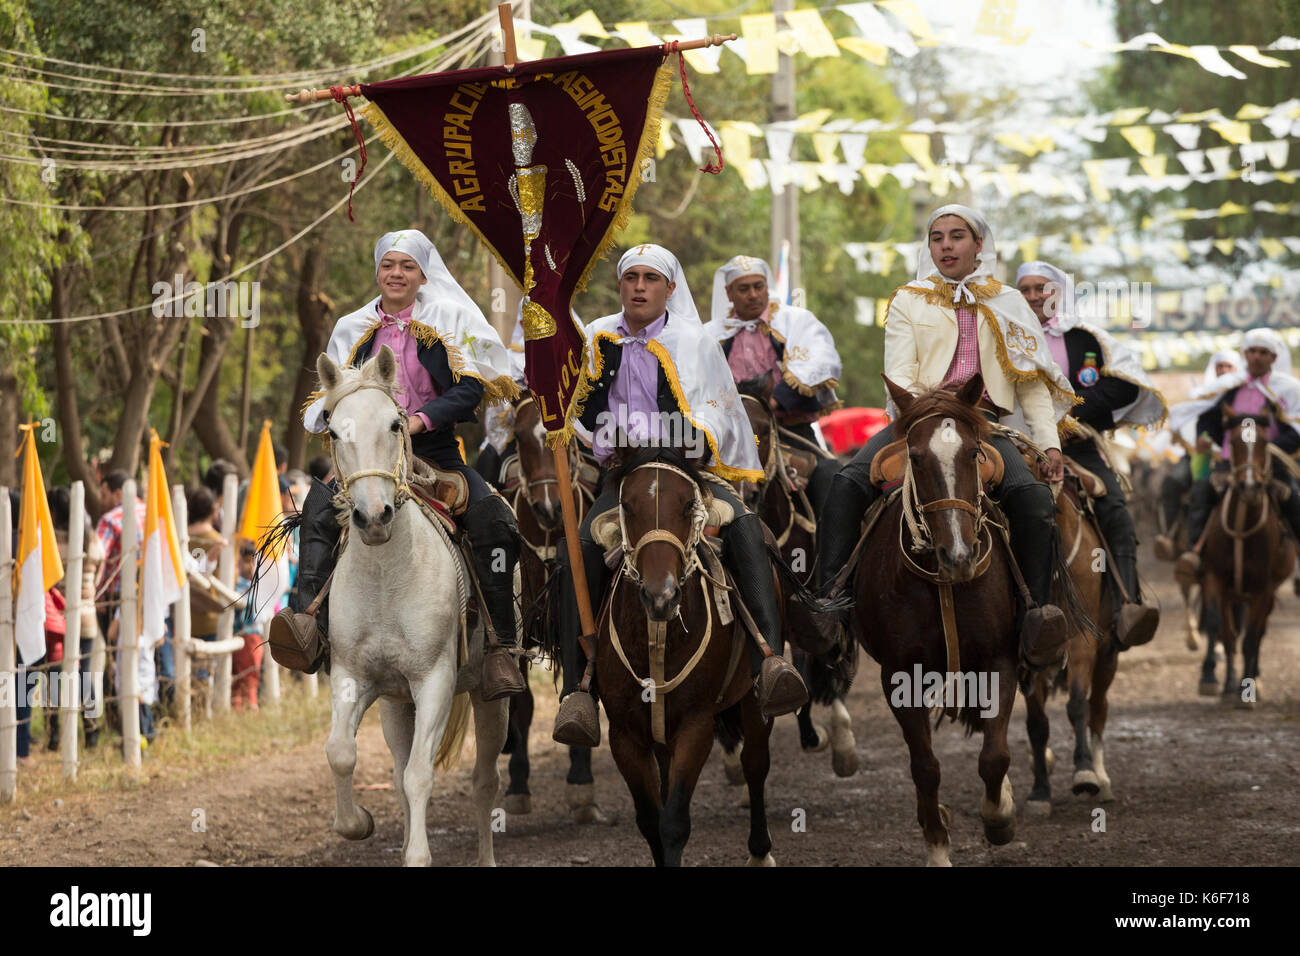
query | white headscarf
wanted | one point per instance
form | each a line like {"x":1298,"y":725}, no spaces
{"x":1223,"y":355}
{"x":985,"y":260}
{"x":735,"y":268}
{"x":439,"y":284}
{"x":1062,"y":305}
{"x":665,"y":263}
{"x":1264,"y":338}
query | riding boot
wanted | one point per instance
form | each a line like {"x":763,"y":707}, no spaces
{"x":494,"y":544}
{"x":1135,"y":622}
{"x":779,"y":687}
{"x":318,"y":538}
{"x":837,"y":535}
{"x":577,"y":722}
{"x":819,"y":485}
{"x":1199,"y":505}
{"x":1034,"y":539}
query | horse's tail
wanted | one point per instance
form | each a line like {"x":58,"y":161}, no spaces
{"x":273,"y":542}
{"x":453,"y":737}
{"x":1076,"y":614}
{"x":830,"y":676}
{"x":830,"y":672}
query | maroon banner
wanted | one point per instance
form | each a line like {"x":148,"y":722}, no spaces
{"x":541,"y":161}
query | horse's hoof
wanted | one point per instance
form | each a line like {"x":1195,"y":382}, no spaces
{"x":517,"y":803}
{"x":844,"y":762}
{"x":1106,"y":795}
{"x":761,"y":861}
{"x":1038,"y":809}
{"x":1208,"y":688}
{"x":1000,"y":834}
{"x":823,"y":740}
{"x":937,"y":856}
{"x":1086,"y":783}
{"x":369,"y":828}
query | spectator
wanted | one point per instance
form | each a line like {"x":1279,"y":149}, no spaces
{"x":109,"y":530}
{"x":92,"y":557}
{"x":281,"y":455}
{"x":215,"y":481}
{"x":319,"y":467}
{"x":206,"y":543}
{"x":246,"y":664}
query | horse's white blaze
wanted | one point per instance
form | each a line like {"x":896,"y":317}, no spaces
{"x":945,"y":449}
{"x":539,"y":433}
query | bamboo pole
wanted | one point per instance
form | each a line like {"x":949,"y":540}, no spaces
{"x":313,"y":96}
{"x":69,"y":702}
{"x":128,"y":631}
{"x":8,"y":679}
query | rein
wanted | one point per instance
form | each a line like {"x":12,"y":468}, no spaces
{"x":1233,"y":531}
{"x":400,"y":475}
{"x":776,"y":465}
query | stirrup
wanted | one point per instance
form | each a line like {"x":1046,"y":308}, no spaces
{"x":1043,"y":636}
{"x":577,"y":722}
{"x":779,"y":687}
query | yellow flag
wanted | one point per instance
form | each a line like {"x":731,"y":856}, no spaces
{"x":759,"y":31}
{"x":1233,"y":131}
{"x":37,"y":565}
{"x":913,"y":19}
{"x":262,"y":506}
{"x":1252,"y":55}
{"x":918,"y":147}
{"x":162,"y":570}
{"x":735,"y":144}
{"x":814,"y":39}
{"x":1141,"y":138}
{"x":873,"y":53}
{"x":1272,"y":248}
{"x":1154,"y":166}
{"x":1225,"y":245}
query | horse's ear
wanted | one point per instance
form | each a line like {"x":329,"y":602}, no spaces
{"x":327,"y":371}
{"x":383,"y":367}
{"x":971,"y":392}
{"x":902,"y":397}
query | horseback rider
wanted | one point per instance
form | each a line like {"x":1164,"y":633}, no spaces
{"x":953,"y":320}
{"x":653,"y":364}
{"x":1178,"y":481}
{"x":1264,"y":386}
{"x":449,"y":361}
{"x":1116,"y":391}
{"x":762,"y":337}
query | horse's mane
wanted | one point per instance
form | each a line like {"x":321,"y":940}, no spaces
{"x":632,"y":458}
{"x":757,"y":387}
{"x":940,"y":401}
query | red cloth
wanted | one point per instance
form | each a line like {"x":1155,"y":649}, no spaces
{"x":589,"y":112}
{"x":243,"y":689}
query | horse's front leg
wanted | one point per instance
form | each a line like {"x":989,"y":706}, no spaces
{"x":491,"y":724}
{"x":756,"y":761}
{"x":1085,"y":780}
{"x":349,"y":698}
{"x":398,"y":720}
{"x":998,"y":808}
{"x":1210,"y":620}
{"x":690,"y":750}
{"x":1038,"y":727}
{"x":1103,"y":673}
{"x":518,"y":797}
{"x":433,"y":698}
{"x":1261,"y":606}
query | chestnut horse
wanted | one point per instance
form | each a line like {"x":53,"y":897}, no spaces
{"x":536,"y":503}
{"x":1090,"y":667}
{"x":785,"y":509}
{"x":1244,"y":559}
{"x":671,"y":673}
{"x":943,"y":517}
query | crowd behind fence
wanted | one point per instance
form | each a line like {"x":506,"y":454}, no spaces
{"x":65,"y":682}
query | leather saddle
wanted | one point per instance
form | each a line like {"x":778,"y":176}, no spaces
{"x":888,"y":465}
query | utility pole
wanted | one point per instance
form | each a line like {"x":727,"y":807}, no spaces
{"x":502,"y":290}
{"x":785,"y":206}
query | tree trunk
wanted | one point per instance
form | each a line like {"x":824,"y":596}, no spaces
{"x":209,"y":426}
{"x":315,"y":317}
{"x":9,"y":411}
{"x":66,"y":398}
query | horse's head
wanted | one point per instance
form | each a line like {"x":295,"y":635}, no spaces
{"x":1248,"y":451}
{"x":756,"y":398}
{"x":368,"y":441}
{"x":662,"y":512}
{"x":943,"y":434}
{"x":537,"y":465}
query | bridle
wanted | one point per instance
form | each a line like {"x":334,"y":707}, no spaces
{"x":776,"y":465}
{"x":915,"y":518}
{"x":527,"y":486}
{"x":400,"y":475}
{"x":687,"y":549}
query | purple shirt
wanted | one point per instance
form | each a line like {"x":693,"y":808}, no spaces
{"x":1249,"y":401}
{"x":1056,"y":344}
{"x":634,"y":393}
{"x":415,"y":388}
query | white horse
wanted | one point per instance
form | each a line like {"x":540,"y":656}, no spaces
{"x":397,"y":607}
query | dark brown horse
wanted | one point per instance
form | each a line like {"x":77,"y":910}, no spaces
{"x":534,"y":495}
{"x":1090,"y":667}
{"x":1245,"y":558}
{"x":943,"y":518}
{"x":671,"y":673}
{"x":779,"y":499}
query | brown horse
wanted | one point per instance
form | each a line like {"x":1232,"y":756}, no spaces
{"x":535,"y":497}
{"x":780,"y":501}
{"x":943,"y":517}
{"x":1090,"y":668}
{"x":671,"y":672}
{"x":1245,"y":558}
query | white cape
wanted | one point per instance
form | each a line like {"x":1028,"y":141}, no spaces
{"x":810,"y":363}
{"x":1120,"y":361}
{"x":473,"y":347}
{"x":1282,"y":390}
{"x":700,"y":378}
